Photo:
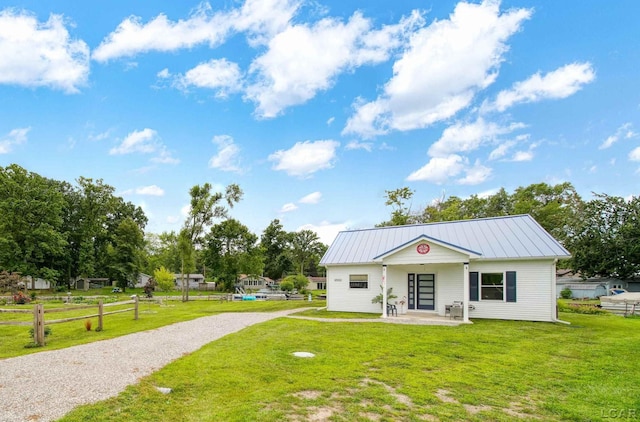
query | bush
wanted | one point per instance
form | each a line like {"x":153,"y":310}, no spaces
{"x":581,"y":308}
{"x":286,"y":285}
{"x":20,"y":298}
{"x":47,"y":331}
{"x":566,"y":293}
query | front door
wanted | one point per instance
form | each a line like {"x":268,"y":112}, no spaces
{"x":422,"y":291}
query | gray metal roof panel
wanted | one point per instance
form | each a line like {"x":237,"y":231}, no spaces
{"x":509,"y":237}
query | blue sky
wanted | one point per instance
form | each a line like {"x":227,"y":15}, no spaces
{"x":315,"y":108}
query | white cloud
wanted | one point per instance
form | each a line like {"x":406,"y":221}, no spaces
{"x":439,"y":74}
{"x":487,"y":193}
{"x":312,"y":198}
{"x":164,"y":157}
{"x":15,"y":137}
{"x":305,"y":158}
{"x":261,"y":19}
{"x":289,"y":207}
{"x":37,"y":54}
{"x":330,"y":120}
{"x":305,"y":59}
{"x":623,"y":132}
{"x":151,"y":190}
{"x":501,"y":150}
{"x":326,"y":231}
{"x":560,"y":83}
{"x":475,"y":175}
{"x":439,"y":169}
{"x":227,"y":157}
{"x":523,"y":156}
{"x":468,"y":137}
{"x":220,"y":75}
{"x":367,"y":146}
{"x":164,"y":74}
{"x":144,"y":141}
{"x":634,"y":155}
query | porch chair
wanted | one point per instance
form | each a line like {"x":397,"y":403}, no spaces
{"x":392,"y":309}
{"x":456,"y":304}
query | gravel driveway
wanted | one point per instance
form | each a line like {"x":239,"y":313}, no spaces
{"x":45,"y":386}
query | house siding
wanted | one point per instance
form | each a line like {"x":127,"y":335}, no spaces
{"x":437,"y":254}
{"x":535,"y":288}
{"x":342,"y":298}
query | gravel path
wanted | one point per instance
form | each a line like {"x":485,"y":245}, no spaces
{"x":45,"y":386}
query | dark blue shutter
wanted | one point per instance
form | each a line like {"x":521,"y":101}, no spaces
{"x":511,"y":286}
{"x":473,"y":286}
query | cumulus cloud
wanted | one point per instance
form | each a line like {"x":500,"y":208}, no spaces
{"x":260,"y":19}
{"x":312,"y":198}
{"x":15,"y":137}
{"x":221,"y":76}
{"x":634,"y":155}
{"x":326,"y":231}
{"x":440,"y":170}
{"x":462,"y":137}
{"x":151,"y":190}
{"x":163,"y":156}
{"x":624,"y":132}
{"x":440,"y":72}
{"x":476,"y":174}
{"x":143,"y":141}
{"x":305,"y":158}
{"x":367,"y":146}
{"x":35,"y":54}
{"x":289,"y":207}
{"x":560,"y":83}
{"x":227,"y":157}
{"x":305,"y":59}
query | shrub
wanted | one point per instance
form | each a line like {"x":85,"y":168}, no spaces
{"x":47,"y":331}
{"x":286,"y":285}
{"x":581,"y":308}
{"x":87,"y":324}
{"x":566,"y":293}
{"x":20,"y":298}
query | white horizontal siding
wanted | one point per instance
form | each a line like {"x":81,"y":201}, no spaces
{"x":344,"y":299}
{"x":534,"y":292}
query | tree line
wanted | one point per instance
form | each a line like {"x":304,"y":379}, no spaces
{"x":61,"y":232}
{"x":602,"y":234}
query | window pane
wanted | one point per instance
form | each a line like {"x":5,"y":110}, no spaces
{"x":358,"y":277}
{"x":492,"y":293}
{"x":358,"y":285}
{"x":492,"y":279}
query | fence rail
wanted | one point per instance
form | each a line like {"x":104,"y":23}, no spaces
{"x":39,"y":320}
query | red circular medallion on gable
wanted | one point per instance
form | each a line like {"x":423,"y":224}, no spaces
{"x":423,"y":249}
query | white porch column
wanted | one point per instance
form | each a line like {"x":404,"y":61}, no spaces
{"x":384,"y":291}
{"x":465,"y":293}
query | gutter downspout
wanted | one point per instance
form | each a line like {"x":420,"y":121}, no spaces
{"x":384,"y":291}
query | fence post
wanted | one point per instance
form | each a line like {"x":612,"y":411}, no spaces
{"x":135,"y":310}
{"x":100,"y":311}
{"x":38,"y":324}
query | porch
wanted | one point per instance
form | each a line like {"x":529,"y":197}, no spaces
{"x":424,"y":318}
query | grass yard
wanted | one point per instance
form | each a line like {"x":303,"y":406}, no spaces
{"x":488,"y":371}
{"x":13,"y":339}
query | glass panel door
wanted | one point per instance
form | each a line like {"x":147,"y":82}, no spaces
{"x":426,"y":292}
{"x":412,"y":288}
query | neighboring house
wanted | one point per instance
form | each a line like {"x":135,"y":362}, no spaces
{"x":35,"y":283}
{"x":194,"y":280}
{"x":592,"y":287}
{"x":93,"y":283}
{"x":500,"y":268}
{"x":142,"y":280}
{"x":252,"y":282}
{"x":317,"y":283}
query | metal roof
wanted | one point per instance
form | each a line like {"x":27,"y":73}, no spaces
{"x":510,"y":237}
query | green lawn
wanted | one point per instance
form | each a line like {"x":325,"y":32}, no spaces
{"x":13,"y":339}
{"x":489,"y":371}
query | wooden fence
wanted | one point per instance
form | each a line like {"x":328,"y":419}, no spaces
{"x":39,"y":320}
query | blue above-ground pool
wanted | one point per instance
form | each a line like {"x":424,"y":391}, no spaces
{"x":248,"y":297}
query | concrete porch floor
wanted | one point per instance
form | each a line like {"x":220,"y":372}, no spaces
{"x":410,"y":318}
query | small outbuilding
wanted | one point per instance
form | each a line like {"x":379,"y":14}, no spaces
{"x":500,"y":268}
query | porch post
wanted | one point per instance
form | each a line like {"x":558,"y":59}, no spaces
{"x":384,"y":291}
{"x":465,"y":293}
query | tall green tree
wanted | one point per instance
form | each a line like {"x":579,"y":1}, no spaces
{"x":305,"y":248}
{"x":231,"y":249}
{"x":126,"y":253}
{"x":275,"y":243}
{"x":32,"y":240}
{"x":606,"y":238}
{"x":205,"y":206}
{"x":401,"y":211}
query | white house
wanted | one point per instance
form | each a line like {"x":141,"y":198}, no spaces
{"x":500,"y":268}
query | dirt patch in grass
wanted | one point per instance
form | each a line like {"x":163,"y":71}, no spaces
{"x":476,"y":409}
{"x":308,"y":394}
{"x":443,"y":396}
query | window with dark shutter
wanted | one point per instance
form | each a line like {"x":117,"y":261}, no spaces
{"x":511,"y":286}
{"x":473,"y":286}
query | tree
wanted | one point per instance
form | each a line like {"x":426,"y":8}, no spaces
{"x":606,"y":238}
{"x":125,"y":253}
{"x":164,"y":278}
{"x":32,"y":241}
{"x":231,"y":249}
{"x":299,"y":281}
{"x":275,"y":243}
{"x":204,"y":208}
{"x":401,"y":212}
{"x":306,"y":246}
{"x":162,"y":250}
